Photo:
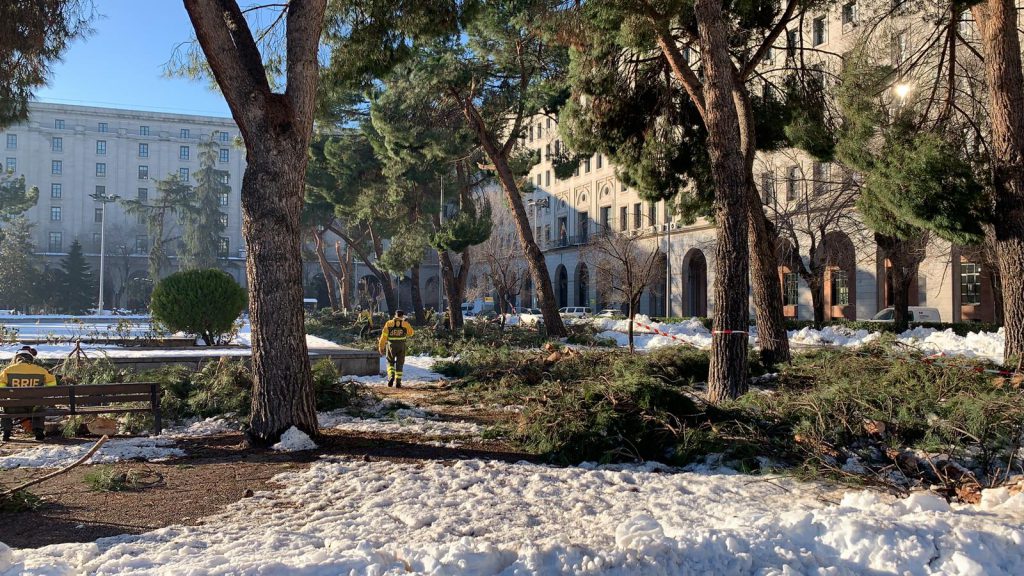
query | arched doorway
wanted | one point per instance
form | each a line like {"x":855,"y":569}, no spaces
{"x":432,"y":293}
{"x":582,"y":285}
{"x":840,"y":286}
{"x":561,"y":286}
{"x":695,"y":272}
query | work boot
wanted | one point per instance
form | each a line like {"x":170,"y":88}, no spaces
{"x":398,"y":383}
{"x":40,"y":435}
{"x":391,"y":381}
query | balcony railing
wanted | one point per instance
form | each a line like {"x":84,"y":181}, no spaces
{"x":567,"y":241}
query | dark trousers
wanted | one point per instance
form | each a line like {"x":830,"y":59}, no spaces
{"x":7,"y":425}
{"x":396,"y":359}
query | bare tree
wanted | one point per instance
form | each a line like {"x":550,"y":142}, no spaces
{"x":625,"y":265}
{"x":502,"y":264}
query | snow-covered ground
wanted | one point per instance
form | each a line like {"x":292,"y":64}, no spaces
{"x":987,"y":345}
{"x":117,"y":449}
{"x":416,"y":373}
{"x":390,"y":417}
{"x":474,"y":517}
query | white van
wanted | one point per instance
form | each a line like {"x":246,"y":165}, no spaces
{"x":917,"y":314}
{"x":477,"y":307}
{"x":575,"y":311}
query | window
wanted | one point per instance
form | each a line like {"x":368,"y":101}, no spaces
{"x":143,"y":195}
{"x":141,"y":244}
{"x":143,"y":172}
{"x":819,"y":31}
{"x":12,"y":141}
{"x":224,"y":220}
{"x":101,"y":190}
{"x":101,"y":169}
{"x":849,"y":14}
{"x":183,"y":174}
{"x":652,"y":213}
{"x":539,"y":178}
{"x":790,"y":289}
{"x":606,"y":217}
{"x":549,"y":123}
{"x":792,"y":182}
{"x":225,"y":177}
{"x":599,"y":158}
{"x":623,"y":218}
{"x":769,"y":54}
{"x":143,"y":130}
{"x":11,"y":164}
{"x":222,"y":199}
{"x":56,"y":242}
{"x":183,"y":152}
{"x":54,"y":213}
{"x":899,"y":48}
{"x":56,"y":191}
{"x":547,"y":178}
{"x":224,"y":154}
{"x":58,"y":124}
{"x":820,"y":177}
{"x":636,"y":215}
{"x":586,"y":165}
{"x":547,"y":233}
{"x":970,"y":284}
{"x":56,"y":167}
{"x":540,"y":131}
{"x":547,"y":151}
{"x":768,"y":189}
{"x":223,"y":136}
{"x":840,"y":288}
{"x":103,"y":127}
{"x":223,"y":246}
{"x":531,"y":132}
{"x":97,"y":215}
{"x":143,"y":150}
{"x":101,"y":147}
{"x":183,"y":133}
{"x":57,"y":144}
{"x":792,"y":39}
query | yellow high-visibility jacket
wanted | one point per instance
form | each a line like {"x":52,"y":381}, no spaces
{"x":24,"y":374}
{"x":395,"y":330}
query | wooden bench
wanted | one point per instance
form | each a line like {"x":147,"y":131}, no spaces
{"x":82,"y":399}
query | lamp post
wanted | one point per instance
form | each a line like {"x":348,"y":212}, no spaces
{"x":103,"y":199}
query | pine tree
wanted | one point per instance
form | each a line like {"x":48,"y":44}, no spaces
{"x":34,"y":34}
{"x":77,"y":289}
{"x":15,"y":198}
{"x":19,"y":276}
{"x":202,"y":222}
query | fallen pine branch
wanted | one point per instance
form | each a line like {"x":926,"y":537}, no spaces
{"x":67,"y":468}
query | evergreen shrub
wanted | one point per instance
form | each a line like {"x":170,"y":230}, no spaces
{"x":201,"y":302}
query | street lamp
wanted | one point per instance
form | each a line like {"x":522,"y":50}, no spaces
{"x":103,"y":199}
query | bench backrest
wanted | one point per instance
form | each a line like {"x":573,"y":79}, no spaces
{"x":79,"y":395}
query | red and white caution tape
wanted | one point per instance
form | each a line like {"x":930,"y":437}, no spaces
{"x":662,"y":333}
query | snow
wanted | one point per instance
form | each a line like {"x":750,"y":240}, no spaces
{"x":390,"y":417}
{"x":985,"y":345}
{"x":341,"y":516}
{"x":116,"y":449}
{"x":294,"y":440}
{"x":416,"y":373}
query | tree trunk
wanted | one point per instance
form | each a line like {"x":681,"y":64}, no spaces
{"x":417,"y":297}
{"x":344,"y":286}
{"x":997,"y":20}
{"x":816,"y":286}
{"x":767,"y":291}
{"x":272,"y":192}
{"x":454,"y":287}
{"x":632,"y":315}
{"x":727,"y":377}
{"x":900,"y":281}
{"x":534,"y":257}
{"x":325,"y":268}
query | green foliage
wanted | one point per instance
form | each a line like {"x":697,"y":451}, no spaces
{"x":20,"y":501}
{"x":201,"y":302}
{"x":15,"y":198}
{"x":173,"y":200}
{"x":467,"y":228}
{"x":220,"y":388}
{"x":19,"y":277}
{"x":331,"y":393}
{"x":201,"y":222}
{"x":109,"y":478}
{"x":34,"y":35}
{"x":76,"y":291}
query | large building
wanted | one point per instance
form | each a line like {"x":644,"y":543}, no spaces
{"x":564,"y":214}
{"x":71,"y":153}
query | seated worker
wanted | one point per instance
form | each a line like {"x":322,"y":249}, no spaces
{"x":392,"y":344}
{"x":24,"y":372}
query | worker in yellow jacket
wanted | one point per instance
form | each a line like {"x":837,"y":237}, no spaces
{"x":21,"y":373}
{"x":393,"y":344}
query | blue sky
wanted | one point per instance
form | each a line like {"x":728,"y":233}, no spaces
{"x":120,"y":65}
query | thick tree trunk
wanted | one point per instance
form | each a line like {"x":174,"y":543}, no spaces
{"x":997,"y":20}
{"x":767,"y":291}
{"x":816,"y":286}
{"x":454,"y":287}
{"x":417,"y":297}
{"x":272,"y":192}
{"x":727,"y":377}
{"x":900,"y":281}
{"x":534,"y":257}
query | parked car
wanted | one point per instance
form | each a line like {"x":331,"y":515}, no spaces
{"x":525,"y":310}
{"x":611,"y":313}
{"x":575,"y":311}
{"x":917,"y":314}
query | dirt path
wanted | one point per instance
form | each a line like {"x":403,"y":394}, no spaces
{"x":216,"y":472}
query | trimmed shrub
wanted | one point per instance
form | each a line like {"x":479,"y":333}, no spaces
{"x":201,"y":302}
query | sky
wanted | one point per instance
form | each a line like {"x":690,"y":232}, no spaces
{"x":121,"y":64}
